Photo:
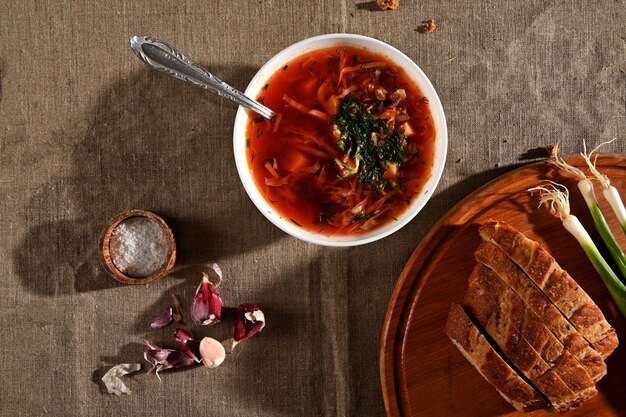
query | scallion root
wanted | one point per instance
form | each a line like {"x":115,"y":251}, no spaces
{"x":555,"y":196}
{"x":610,"y":193}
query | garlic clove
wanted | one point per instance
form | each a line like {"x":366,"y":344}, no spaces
{"x":206,"y":307}
{"x":212,"y":352}
{"x":249,"y":320}
{"x":188,"y":344}
{"x":163,"y":319}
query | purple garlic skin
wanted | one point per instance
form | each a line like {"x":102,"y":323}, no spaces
{"x":206,"y":307}
{"x":162,"y":359}
{"x":163,"y":319}
{"x":249,"y":320}
{"x":188,"y":344}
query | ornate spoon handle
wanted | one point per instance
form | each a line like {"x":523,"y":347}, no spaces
{"x":163,"y":57}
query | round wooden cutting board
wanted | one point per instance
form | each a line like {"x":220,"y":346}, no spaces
{"x":422,"y":373}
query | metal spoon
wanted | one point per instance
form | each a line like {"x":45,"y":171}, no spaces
{"x":163,"y":57}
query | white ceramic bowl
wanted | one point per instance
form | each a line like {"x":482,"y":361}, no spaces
{"x":327,"y":41}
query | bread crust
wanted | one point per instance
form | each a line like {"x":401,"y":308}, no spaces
{"x":495,"y":259}
{"x":526,"y":341}
{"x":568,"y":297}
{"x":478,"y":351}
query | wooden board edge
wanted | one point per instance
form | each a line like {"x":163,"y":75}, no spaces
{"x":409,"y":279}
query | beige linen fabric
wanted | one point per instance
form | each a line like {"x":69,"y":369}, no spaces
{"x":87,"y":131}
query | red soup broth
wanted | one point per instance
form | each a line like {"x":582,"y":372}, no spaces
{"x":293,"y":156}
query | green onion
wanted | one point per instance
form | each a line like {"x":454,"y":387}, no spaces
{"x":585,"y":186}
{"x":609,"y":192}
{"x":556,"y":196}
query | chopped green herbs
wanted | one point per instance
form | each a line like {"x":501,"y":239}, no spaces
{"x":259,"y":119}
{"x":368,"y":141}
{"x":361,"y":217}
{"x":285,"y":67}
{"x":295,"y":222}
{"x":265,"y":87}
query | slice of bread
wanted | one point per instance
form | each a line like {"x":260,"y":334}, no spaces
{"x":495,"y":259}
{"x":489,"y":363}
{"x":526,"y":341}
{"x":570,"y":299}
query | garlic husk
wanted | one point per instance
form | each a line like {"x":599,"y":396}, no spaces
{"x":112,"y":379}
{"x":188,"y":344}
{"x":162,"y":359}
{"x":178,"y":314}
{"x":163,"y":319}
{"x":212,"y":352}
{"x":249,"y":320}
{"x":206,"y":307}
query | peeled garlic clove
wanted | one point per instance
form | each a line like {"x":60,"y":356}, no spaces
{"x":188,"y":344}
{"x":206,"y":307}
{"x":163,"y":319}
{"x":249,"y":320}
{"x":212,"y":352}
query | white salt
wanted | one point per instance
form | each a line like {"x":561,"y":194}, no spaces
{"x":138,"y":247}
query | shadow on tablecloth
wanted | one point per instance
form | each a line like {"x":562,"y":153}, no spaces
{"x":149,"y":142}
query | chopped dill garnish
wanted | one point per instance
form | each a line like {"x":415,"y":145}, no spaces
{"x":261,"y":100}
{"x":369,"y":142}
{"x":247,"y":143}
{"x":259,"y":119}
{"x":312,"y":67}
{"x":361,"y":217}
{"x":424,"y":99}
{"x":265,"y":87}
{"x":295,"y":222}
{"x":285,"y":67}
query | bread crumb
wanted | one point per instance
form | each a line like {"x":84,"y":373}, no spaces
{"x":497,"y":165}
{"x":552,"y":150}
{"x":430,"y":26}
{"x":458,"y":161}
{"x":388,"y":4}
{"x":427,"y":26}
{"x":505,"y":141}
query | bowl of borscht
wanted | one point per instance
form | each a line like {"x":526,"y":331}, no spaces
{"x":356,"y":148}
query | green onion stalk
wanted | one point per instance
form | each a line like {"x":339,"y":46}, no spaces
{"x":585,"y":186}
{"x":609,"y":192}
{"x":556,"y":196}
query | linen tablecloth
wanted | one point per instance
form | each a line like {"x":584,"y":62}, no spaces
{"x":87,"y":131}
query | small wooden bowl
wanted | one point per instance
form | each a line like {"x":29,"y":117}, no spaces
{"x":105,"y":255}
